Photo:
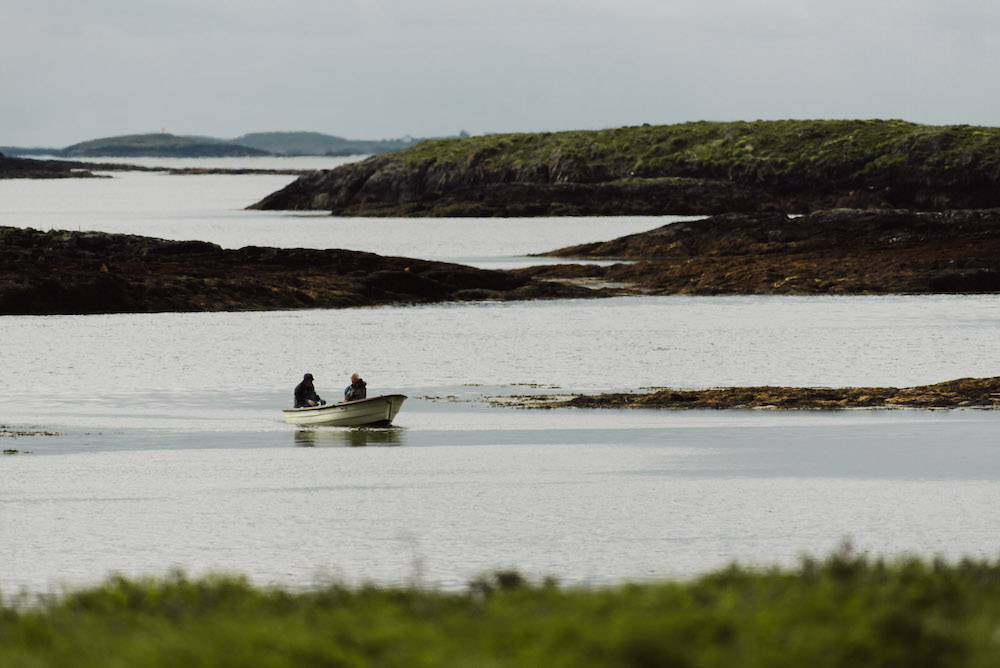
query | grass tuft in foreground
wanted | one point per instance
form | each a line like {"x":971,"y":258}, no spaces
{"x":847,"y":610}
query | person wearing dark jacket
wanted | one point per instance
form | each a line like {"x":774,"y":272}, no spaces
{"x":356,"y":390}
{"x":305,"y":393}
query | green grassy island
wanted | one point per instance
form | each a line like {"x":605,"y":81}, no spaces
{"x":159,"y":145}
{"x":689,"y":168}
{"x":847,"y":610}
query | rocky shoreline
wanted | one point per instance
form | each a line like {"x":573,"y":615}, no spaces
{"x":64,"y":272}
{"x":832,"y":252}
{"x":637,"y":197}
{"x":961,"y":393}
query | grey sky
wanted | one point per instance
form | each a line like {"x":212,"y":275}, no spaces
{"x":370,"y":69}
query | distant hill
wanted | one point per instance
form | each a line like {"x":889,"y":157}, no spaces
{"x":315,"y":143}
{"x":159,"y":145}
{"x":164,"y":145}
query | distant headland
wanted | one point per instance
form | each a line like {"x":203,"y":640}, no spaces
{"x":165,"y":145}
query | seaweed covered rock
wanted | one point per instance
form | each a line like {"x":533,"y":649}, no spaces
{"x":95,"y":272}
{"x":842,"y":251}
{"x":960,"y":393}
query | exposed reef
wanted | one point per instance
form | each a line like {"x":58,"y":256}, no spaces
{"x":827,"y":252}
{"x":61,"y":272}
{"x":29,"y":168}
{"x":692,"y":168}
{"x":961,"y":393}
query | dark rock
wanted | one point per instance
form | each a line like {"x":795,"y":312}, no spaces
{"x":94,"y":272}
{"x":827,"y":252}
{"x":28,"y":168}
{"x":964,"y":392}
{"x":408,"y":284}
{"x":380,"y":187}
{"x":979,"y":280}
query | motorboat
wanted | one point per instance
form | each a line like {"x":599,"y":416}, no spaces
{"x":372,"y":410}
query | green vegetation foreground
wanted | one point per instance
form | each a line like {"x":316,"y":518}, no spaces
{"x":846,"y":611}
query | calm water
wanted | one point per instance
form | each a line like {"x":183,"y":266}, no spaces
{"x":168,"y":447}
{"x":211,"y":208}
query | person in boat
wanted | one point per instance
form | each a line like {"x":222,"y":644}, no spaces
{"x":305,"y":393}
{"x":356,"y":390}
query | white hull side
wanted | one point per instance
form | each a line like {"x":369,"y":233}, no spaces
{"x":372,"y":410}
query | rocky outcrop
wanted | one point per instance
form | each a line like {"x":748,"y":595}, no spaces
{"x":961,"y":393}
{"x":827,"y":252}
{"x":696,"y":168}
{"x":93,"y":272}
{"x":346,"y":195}
{"x":379,"y":187}
{"x":28,"y":168}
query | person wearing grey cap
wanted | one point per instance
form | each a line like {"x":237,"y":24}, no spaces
{"x":305,"y":393}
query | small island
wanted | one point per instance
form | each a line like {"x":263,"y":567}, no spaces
{"x":701,"y":168}
{"x":161,"y":145}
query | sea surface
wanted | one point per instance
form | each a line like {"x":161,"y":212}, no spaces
{"x":148,"y":442}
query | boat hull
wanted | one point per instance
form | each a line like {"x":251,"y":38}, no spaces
{"x":373,"y":410}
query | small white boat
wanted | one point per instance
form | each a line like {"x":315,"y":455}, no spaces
{"x":373,"y":410}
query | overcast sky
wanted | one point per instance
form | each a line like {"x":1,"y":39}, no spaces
{"x":371,"y":69}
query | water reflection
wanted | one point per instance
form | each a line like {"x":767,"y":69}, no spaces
{"x":352,"y":437}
